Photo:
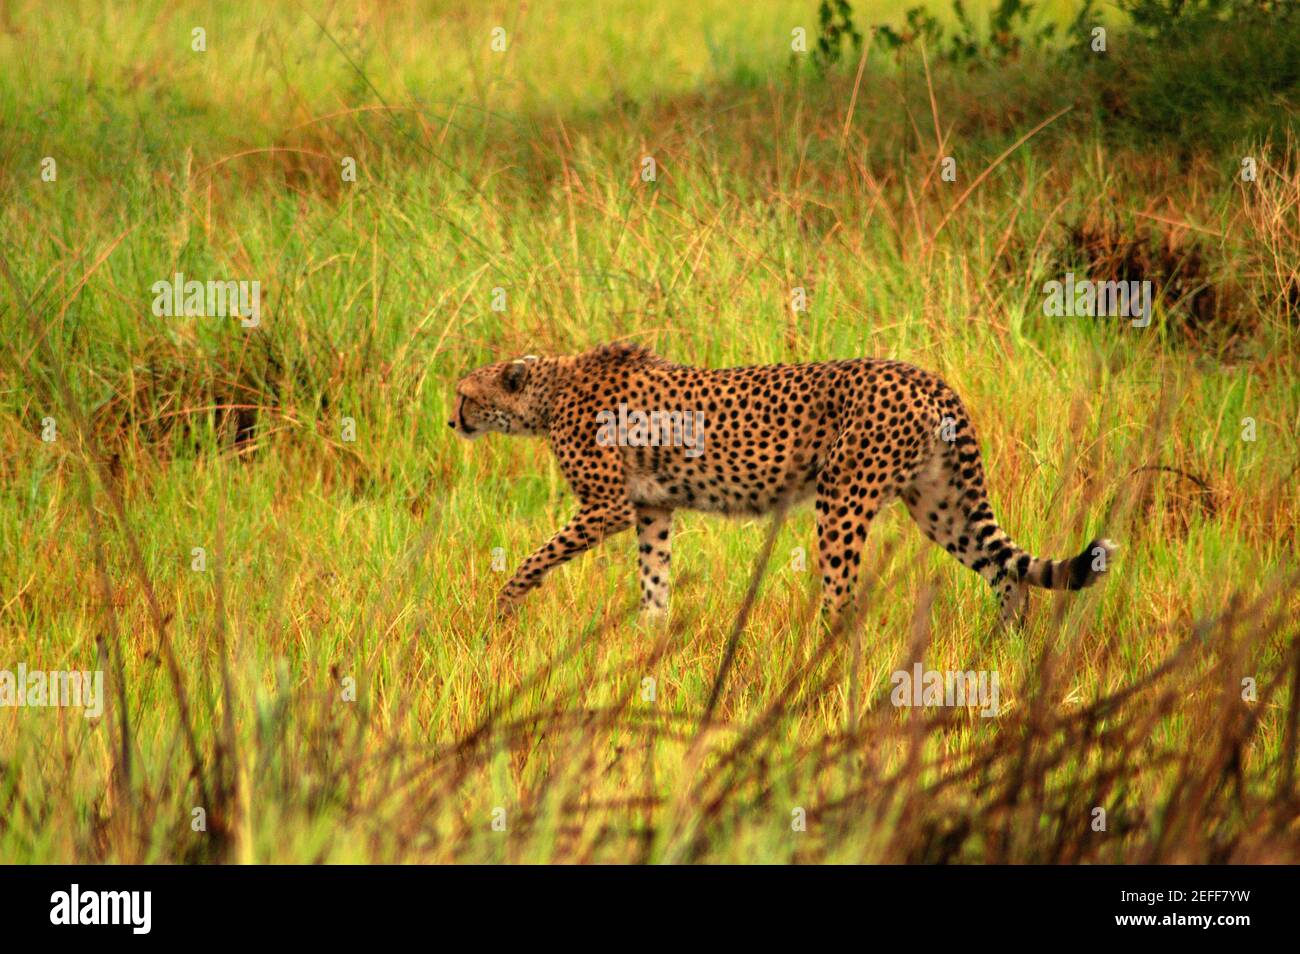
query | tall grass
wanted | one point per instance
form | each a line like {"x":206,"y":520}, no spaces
{"x":366,"y":565}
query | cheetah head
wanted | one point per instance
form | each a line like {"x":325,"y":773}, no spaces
{"x":506,"y":397}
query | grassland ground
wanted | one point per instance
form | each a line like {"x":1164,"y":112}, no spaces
{"x":286,"y":564}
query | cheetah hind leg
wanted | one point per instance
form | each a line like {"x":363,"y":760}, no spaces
{"x":950,"y":520}
{"x":955,"y":514}
{"x":842,"y":524}
{"x":1013,"y":597}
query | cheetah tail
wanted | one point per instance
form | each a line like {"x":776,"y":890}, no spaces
{"x":1072,"y":574}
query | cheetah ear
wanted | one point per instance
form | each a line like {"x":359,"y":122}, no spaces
{"x":515,"y":374}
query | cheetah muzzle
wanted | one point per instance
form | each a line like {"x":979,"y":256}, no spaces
{"x":638,"y":437}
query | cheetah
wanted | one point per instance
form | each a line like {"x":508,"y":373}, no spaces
{"x":638,"y":437}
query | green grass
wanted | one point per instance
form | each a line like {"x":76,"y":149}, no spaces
{"x":371,"y":560}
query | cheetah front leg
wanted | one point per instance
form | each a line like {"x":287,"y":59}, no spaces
{"x":589,"y":526}
{"x":654,"y":545}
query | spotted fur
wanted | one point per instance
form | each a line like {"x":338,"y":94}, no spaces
{"x":854,"y":435}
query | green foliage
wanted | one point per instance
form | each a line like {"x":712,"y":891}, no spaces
{"x":1198,"y":71}
{"x":1204,"y":71}
{"x":1010,"y":32}
{"x":835,"y":30}
{"x":1162,"y":17}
